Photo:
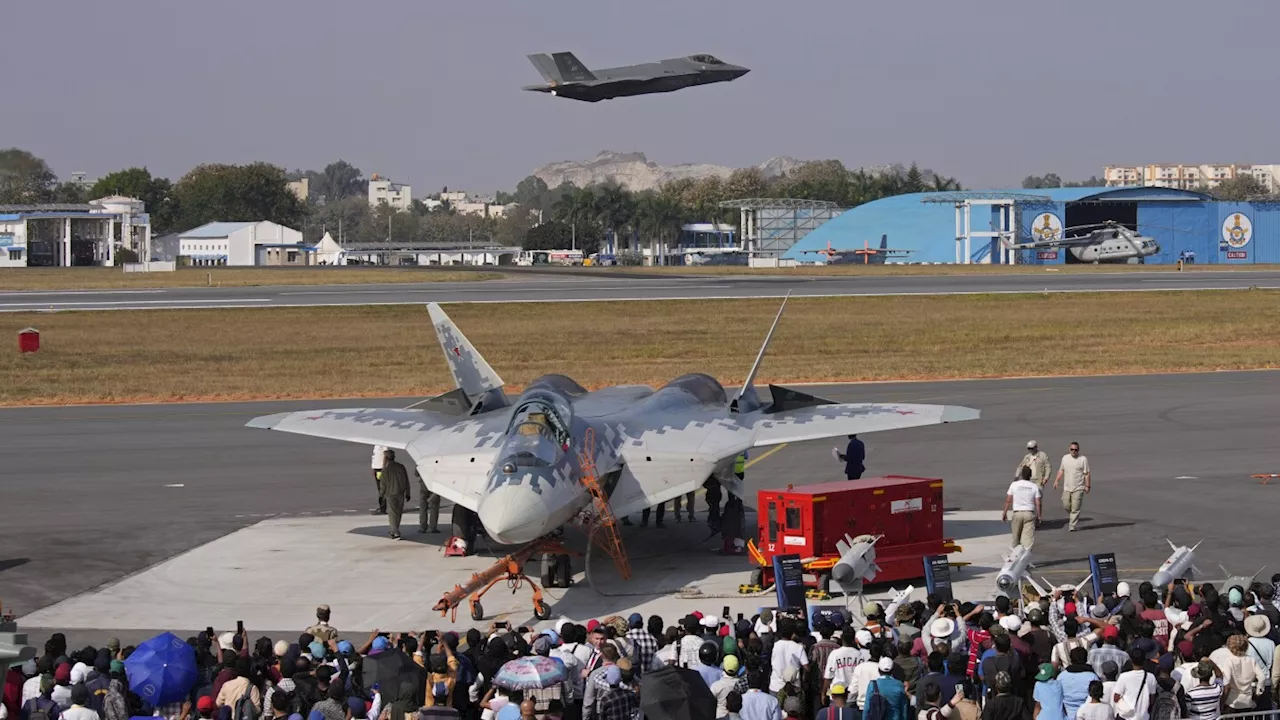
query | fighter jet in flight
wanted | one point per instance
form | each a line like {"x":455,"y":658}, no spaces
{"x":525,"y":466}
{"x":567,"y":77}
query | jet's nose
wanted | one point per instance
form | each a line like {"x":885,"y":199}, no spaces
{"x":514,"y":514}
{"x":738,"y":71}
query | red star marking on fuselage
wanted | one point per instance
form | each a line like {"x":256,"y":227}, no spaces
{"x":905,"y":412}
{"x":314,"y":417}
{"x":457,"y":351}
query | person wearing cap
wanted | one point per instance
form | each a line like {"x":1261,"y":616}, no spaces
{"x":728,"y":682}
{"x":61,"y":693}
{"x":1107,"y":651}
{"x":379,"y":460}
{"x":1204,"y":699}
{"x":322,"y":630}
{"x":1076,"y":480}
{"x":44,"y":701}
{"x":1038,"y":461}
{"x":438,"y":706}
{"x":644,"y":645}
{"x":616,"y":698}
{"x":1023,"y":498}
{"x":893,"y":690}
{"x":838,"y":709}
{"x":1004,"y":704}
{"x":395,"y":485}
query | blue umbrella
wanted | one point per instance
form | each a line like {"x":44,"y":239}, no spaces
{"x":162,"y":670}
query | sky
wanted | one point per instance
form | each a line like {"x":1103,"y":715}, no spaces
{"x":427,"y":92}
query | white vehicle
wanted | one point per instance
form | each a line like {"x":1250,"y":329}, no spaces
{"x":549,"y":257}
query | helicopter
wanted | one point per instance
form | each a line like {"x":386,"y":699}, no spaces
{"x":1105,"y":242}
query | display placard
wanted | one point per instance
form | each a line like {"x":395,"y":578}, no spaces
{"x":1105,"y":575}
{"x":937,"y":576}
{"x":788,"y":572}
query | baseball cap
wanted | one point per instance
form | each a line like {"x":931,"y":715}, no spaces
{"x":1122,"y":590}
{"x":62,"y":673}
{"x":635,"y":621}
{"x":317,"y":650}
{"x":730,"y":665}
{"x":117,"y":666}
{"x":1031,"y":444}
{"x":280,"y":648}
{"x":886,"y":664}
{"x":206,"y":704}
{"x":1046,"y":672}
{"x":872,"y":609}
{"x":227,"y":641}
{"x":708,"y":621}
{"x":1110,"y":632}
{"x":380,"y":643}
{"x":1012,"y":623}
{"x":592,"y":624}
{"x":837,"y":690}
{"x":345,"y":647}
{"x":612,"y":675}
{"x":863,"y":637}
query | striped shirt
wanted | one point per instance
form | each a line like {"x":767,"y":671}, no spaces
{"x":1204,"y":702}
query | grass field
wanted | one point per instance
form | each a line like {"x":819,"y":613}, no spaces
{"x":391,"y":350}
{"x":101,"y":278}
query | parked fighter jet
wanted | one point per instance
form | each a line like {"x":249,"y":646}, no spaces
{"x":567,"y":77}
{"x":520,"y":465}
{"x":1107,"y":242}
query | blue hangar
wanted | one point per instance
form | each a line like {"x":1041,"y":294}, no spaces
{"x":968,"y":227}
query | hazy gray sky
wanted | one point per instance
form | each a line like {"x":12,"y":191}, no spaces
{"x":427,"y":91}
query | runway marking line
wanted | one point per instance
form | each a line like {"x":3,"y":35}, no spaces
{"x":764,"y":455}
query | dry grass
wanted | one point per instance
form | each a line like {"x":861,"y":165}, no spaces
{"x":100,"y":278}
{"x":391,"y":350}
{"x":894,"y":270}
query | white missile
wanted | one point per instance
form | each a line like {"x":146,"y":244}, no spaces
{"x":857,"y":562}
{"x":1179,"y":566}
{"x":1015,"y":571}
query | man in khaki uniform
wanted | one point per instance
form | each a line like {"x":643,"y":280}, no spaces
{"x":1076,"y":479}
{"x":1038,"y":461}
{"x":322,"y":630}
{"x":395,"y":485}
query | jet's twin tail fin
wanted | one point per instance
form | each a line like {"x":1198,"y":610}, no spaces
{"x":561,"y":67}
{"x":470,"y":371}
{"x":748,"y":399}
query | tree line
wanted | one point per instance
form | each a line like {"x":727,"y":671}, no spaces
{"x":542,"y":217}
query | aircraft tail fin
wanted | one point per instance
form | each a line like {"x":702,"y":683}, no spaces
{"x":470,"y":371}
{"x":884,"y":242}
{"x":561,"y":67}
{"x":748,"y":399}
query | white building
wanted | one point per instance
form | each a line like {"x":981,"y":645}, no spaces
{"x":65,"y":235}
{"x":243,"y":244}
{"x":382,"y":190}
{"x":1189,"y":177}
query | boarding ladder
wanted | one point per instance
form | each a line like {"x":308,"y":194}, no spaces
{"x":604,"y":532}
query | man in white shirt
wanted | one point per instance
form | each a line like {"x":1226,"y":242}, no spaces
{"x":788,"y":660}
{"x":1073,"y":473}
{"x":379,"y":459}
{"x":840,"y":664}
{"x":863,"y":676}
{"x":1023,"y":498}
{"x":1132,"y":693}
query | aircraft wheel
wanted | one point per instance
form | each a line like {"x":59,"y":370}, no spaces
{"x":477,"y":612}
{"x":541,"y":611}
{"x":564,"y":571}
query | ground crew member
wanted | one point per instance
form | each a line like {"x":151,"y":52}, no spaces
{"x":1038,"y":461}
{"x":379,"y":457}
{"x":428,"y":509}
{"x":322,"y":630}
{"x":853,"y":458}
{"x":1076,"y":480}
{"x":395,"y":485}
{"x":688,"y":499}
{"x":1024,"y":499}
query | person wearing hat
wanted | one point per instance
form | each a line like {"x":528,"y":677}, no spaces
{"x":322,"y":630}
{"x":1023,"y":498}
{"x":1038,"y":461}
{"x":893,"y":690}
{"x":839,"y":708}
{"x":1204,"y":699}
{"x":1004,"y":704}
{"x":1263,"y":651}
{"x":728,"y":682}
{"x":438,"y":706}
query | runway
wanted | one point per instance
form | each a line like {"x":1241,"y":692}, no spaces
{"x":95,"y":494}
{"x":560,"y":287}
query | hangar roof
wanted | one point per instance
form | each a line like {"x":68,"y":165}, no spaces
{"x":216,"y":230}
{"x":906,"y":219}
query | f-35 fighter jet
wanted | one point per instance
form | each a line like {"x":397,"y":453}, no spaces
{"x":566,"y":76}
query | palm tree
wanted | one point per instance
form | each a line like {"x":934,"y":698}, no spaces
{"x":657,"y":218}
{"x":614,"y":210}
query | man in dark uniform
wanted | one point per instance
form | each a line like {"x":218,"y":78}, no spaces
{"x":395,"y":485}
{"x":853,"y":458}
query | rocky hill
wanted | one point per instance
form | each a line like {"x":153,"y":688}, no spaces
{"x":635,"y":172}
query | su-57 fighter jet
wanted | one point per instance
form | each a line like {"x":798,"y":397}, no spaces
{"x":567,"y":77}
{"x":559,"y":454}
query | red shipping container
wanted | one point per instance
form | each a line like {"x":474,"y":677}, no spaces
{"x":809,"y":520}
{"x":28,"y":340}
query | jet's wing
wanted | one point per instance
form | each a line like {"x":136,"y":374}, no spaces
{"x":674,"y":458}
{"x":453,"y":455}
{"x":370,"y":426}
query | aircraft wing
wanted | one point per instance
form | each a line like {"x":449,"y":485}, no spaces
{"x":673,"y":459}
{"x":453,"y":454}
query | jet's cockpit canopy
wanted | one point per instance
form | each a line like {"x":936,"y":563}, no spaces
{"x":706,"y":59}
{"x":538,"y":435}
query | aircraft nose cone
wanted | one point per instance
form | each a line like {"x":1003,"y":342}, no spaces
{"x":513,"y":514}
{"x":1162,"y":579}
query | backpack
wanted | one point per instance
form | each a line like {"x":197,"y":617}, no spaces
{"x":43,"y":708}
{"x":1165,"y":706}
{"x":244,"y":707}
{"x":877,"y":707}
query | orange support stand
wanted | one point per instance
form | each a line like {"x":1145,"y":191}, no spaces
{"x":1266,"y":478}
